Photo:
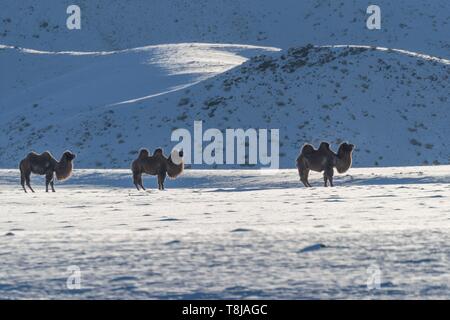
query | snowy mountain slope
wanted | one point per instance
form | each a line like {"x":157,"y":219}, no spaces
{"x":393,"y":105}
{"x":48,"y":87}
{"x":200,"y":237}
{"x":74,"y":82}
{"x":415,"y":25}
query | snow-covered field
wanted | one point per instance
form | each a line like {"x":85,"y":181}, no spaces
{"x":229,"y":234}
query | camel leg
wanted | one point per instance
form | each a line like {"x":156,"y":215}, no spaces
{"x":22,"y":182}
{"x":161,"y":178}
{"x":325,"y":179}
{"x":329,"y":172}
{"x":27,"y":180}
{"x":305,"y":183}
{"x":49,"y":180}
{"x":301,"y":172}
{"x":304,"y":177}
{"x":141,"y":184}
{"x":136,"y":180}
{"x":160,"y":186}
{"x":162,"y":182}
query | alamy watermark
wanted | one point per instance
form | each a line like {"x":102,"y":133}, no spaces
{"x":252,"y":147}
{"x":73,"y":21}
{"x":374,"y":277}
{"x":73,"y":281}
{"x":374,"y":20}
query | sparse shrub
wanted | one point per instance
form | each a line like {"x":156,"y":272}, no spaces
{"x":183,"y":102}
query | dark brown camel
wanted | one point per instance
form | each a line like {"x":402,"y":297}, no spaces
{"x":45,"y":164}
{"x":157,"y":165}
{"x":324,"y":159}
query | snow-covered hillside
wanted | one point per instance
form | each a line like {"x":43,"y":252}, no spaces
{"x":394,"y":105}
{"x":216,"y":234}
{"x":416,"y":25}
{"x":52,"y":89}
{"x":133,"y":73}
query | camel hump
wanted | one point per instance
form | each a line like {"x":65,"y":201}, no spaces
{"x":143,"y":153}
{"x":32,"y":154}
{"x":307,"y":149}
{"x":324,"y":146}
{"x":158,"y":152}
{"x":46,"y":155}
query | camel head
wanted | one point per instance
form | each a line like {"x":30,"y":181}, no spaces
{"x":63,"y":168}
{"x":346,"y":148}
{"x":175,"y":164}
{"x":69,"y":156}
{"x":344,"y":161}
{"x":176,"y":156}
